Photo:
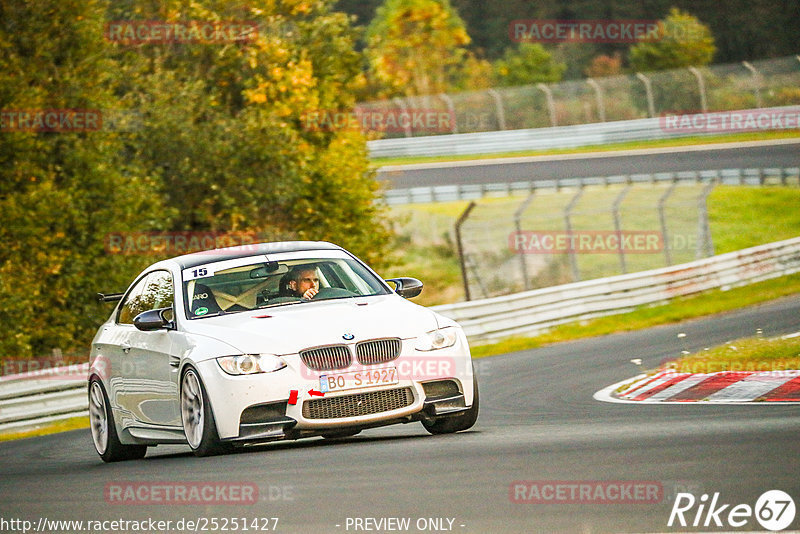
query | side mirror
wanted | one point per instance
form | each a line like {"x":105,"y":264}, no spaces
{"x":406,"y":287}
{"x":150,"y":320}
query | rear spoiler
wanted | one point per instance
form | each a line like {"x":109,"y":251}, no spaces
{"x":109,"y":297}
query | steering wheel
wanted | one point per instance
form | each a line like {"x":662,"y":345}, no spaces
{"x":333,"y":292}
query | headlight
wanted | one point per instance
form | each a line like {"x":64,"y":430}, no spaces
{"x":248,"y":364}
{"x":437,"y":339}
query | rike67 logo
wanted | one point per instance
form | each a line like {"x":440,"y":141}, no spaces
{"x":774,"y":510}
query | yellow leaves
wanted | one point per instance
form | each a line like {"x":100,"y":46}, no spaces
{"x":298,"y":7}
{"x":413,"y":45}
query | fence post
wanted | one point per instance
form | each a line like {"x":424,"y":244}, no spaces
{"x":663,"y":219}
{"x":573,"y":261}
{"x":461,"y":219}
{"x":500,"y":111}
{"x":648,"y":89}
{"x":703,"y":228}
{"x":402,"y":105}
{"x":756,"y":81}
{"x":598,"y":95}
{"x":701,"y":86}
{"x":452,"y":109}
{"x":551,"y":105}
{"x":517,"y":216}
{"x":618,"y":225}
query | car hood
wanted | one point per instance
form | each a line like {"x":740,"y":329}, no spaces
{"x":289,"y":329}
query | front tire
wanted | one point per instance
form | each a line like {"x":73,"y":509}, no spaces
{"x":197,"y":417}
{"x":104,"y":431}
{"x":458,"y":422}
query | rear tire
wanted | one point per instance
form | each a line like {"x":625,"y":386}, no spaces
{"x":461,"y":421}
{"x":198,"y":419}
{"x":104,"y":431}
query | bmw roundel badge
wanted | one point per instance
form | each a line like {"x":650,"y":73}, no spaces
{"x":348,"y":336}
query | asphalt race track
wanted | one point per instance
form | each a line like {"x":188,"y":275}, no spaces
{"x":538,"y":422}
{"x":783,"y":153}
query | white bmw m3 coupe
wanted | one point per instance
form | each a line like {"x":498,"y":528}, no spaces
{"x":270,"y":342}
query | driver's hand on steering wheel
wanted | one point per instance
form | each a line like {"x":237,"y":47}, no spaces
{"x":309,"y":294}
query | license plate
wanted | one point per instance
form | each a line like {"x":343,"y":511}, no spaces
{"x":358,"y":379}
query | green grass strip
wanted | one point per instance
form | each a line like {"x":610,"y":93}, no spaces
{"x":680,"y":309}
{"x":73,"y":423}
{"x":746,"y":354}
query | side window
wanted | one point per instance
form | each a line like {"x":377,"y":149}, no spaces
{"x":159,"y":293}
{"x":153,"y":291}
{"x":128,"y":310}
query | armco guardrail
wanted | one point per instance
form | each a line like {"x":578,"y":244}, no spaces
{"x":449,"y":193}
{"x":28,"y":402}
{"x":31,"y":399}
{"x":579,"y":135}
{"x":534,"y":311}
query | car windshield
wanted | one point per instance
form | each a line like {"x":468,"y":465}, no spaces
{"x":253,"y":283}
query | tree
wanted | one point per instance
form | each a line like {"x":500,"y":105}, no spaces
{"x":225,"y":126}
{"x":61,"y":192}
{"x":529,"y":63}
{"x":603,"y":66}
{"x":222,"y":145}
{"x":683,"y":41}
{"x":415,"y":47}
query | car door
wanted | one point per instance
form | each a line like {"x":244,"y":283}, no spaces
{"x":148,"y":375}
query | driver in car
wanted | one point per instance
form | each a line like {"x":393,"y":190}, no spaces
{"x":303,"y":282}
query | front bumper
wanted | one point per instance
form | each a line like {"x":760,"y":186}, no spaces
{"x":258,"y":408}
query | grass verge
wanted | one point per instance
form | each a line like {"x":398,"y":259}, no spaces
{"x":661,"y":143}
{"x":740,"y":217}
{"x":680,"y":309}
{"x":73,"y":423}
{"x":745,"y":354}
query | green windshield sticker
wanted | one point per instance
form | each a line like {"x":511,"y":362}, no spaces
{"x":201,"y":311}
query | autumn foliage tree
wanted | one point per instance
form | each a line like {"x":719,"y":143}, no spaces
{"x":602,"y":66}
{"x":416,"y":47}
{"x":221,"y":143}
{"x":529,"y":63}
{"x":61,"y":192}
{"x":682,"y":41}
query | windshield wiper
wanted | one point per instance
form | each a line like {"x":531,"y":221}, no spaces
{"x":337,"y":298}
{"x":287,"y":303}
